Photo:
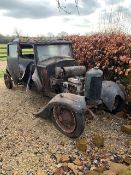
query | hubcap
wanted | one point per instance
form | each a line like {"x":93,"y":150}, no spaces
{"x":64,"y":118}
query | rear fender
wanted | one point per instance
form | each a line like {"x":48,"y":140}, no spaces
{"x":110,"y":90}
{"x":75,"y":102}
{"x":7,"y":70}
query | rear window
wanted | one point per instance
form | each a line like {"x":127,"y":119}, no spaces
{"x":27,"y":51}
{"x":13,"y":50}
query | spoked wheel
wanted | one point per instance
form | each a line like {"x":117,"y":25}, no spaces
{"x":8,"y":81}
{"x":68,"y":122}
{"x":118,"y":105}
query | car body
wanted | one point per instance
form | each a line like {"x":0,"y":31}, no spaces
{"x":49,"y":66}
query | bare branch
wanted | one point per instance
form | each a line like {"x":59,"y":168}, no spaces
{"x":63,"y":8}
{"x":77,"y":8}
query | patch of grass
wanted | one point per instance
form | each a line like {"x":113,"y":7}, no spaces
{"x":4,"y":58}
{"x":3,"y":55}
{"x":3,"y":52}
{"x":3,"y":46}
{"x":2,"y":73}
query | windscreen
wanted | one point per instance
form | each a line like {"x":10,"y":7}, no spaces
{"x":47,"y":51}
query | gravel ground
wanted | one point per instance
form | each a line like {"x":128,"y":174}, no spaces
{"x":2,"y":64}
{"x":28,"y":143}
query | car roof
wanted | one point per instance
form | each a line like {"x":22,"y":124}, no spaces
{"x":40,"y":42}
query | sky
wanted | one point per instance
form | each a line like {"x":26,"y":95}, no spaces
{"x":42,"y":17}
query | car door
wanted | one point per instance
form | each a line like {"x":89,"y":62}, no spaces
{"x":26,"y":59}
{"x":13,"y":62}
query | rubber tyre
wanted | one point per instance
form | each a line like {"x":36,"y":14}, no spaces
{"x":8,"y":81}
{"x":80,"y":124}
{"x":120,"y":106}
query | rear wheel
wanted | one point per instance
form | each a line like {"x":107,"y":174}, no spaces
{"x":67,"y":121}
{"x":118,"y":105}
{"x":8,"y":81}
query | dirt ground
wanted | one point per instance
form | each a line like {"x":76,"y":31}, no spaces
{"x":28,"y":143}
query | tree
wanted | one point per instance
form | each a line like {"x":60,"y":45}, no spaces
{"x":62,"y":34}
{"x":17,"y":32}
{"x":115,"y":20}
{"x":5,"y":39}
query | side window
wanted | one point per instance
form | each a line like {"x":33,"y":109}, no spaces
{"x":26,"y":51}
{"x":13,"y":51}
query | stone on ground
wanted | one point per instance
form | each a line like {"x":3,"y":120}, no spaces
{"x":126,"y":129}
{"x":98,"y":140}
{"x":81,"y":144}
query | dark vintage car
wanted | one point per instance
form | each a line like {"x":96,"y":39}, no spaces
{"x":50,"y":68}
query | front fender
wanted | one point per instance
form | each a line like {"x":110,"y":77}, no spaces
{"x":75,"y":102}
{"x":110,"y":90}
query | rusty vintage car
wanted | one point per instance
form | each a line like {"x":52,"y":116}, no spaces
{"x":50,"y":67}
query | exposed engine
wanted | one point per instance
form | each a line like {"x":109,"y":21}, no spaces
{"x":69,"y":79}
{"x":75,"y":85}
{"x":76,"y":80}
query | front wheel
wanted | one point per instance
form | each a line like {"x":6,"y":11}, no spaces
{"x":8,"y":81}
{"x":68,"y":121}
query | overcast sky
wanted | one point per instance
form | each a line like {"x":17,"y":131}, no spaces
{"x":40,"y":17}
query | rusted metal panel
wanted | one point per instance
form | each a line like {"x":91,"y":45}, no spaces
{"x":36,"y":80}
{"x":76,"y":102}
{"x":110,"y":90}
{"x":12,"y":61}
{"x":43,"y":75}
{"x":70,"y":71}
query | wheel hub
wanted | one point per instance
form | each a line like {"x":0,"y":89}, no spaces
{"x":64,"y":118}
